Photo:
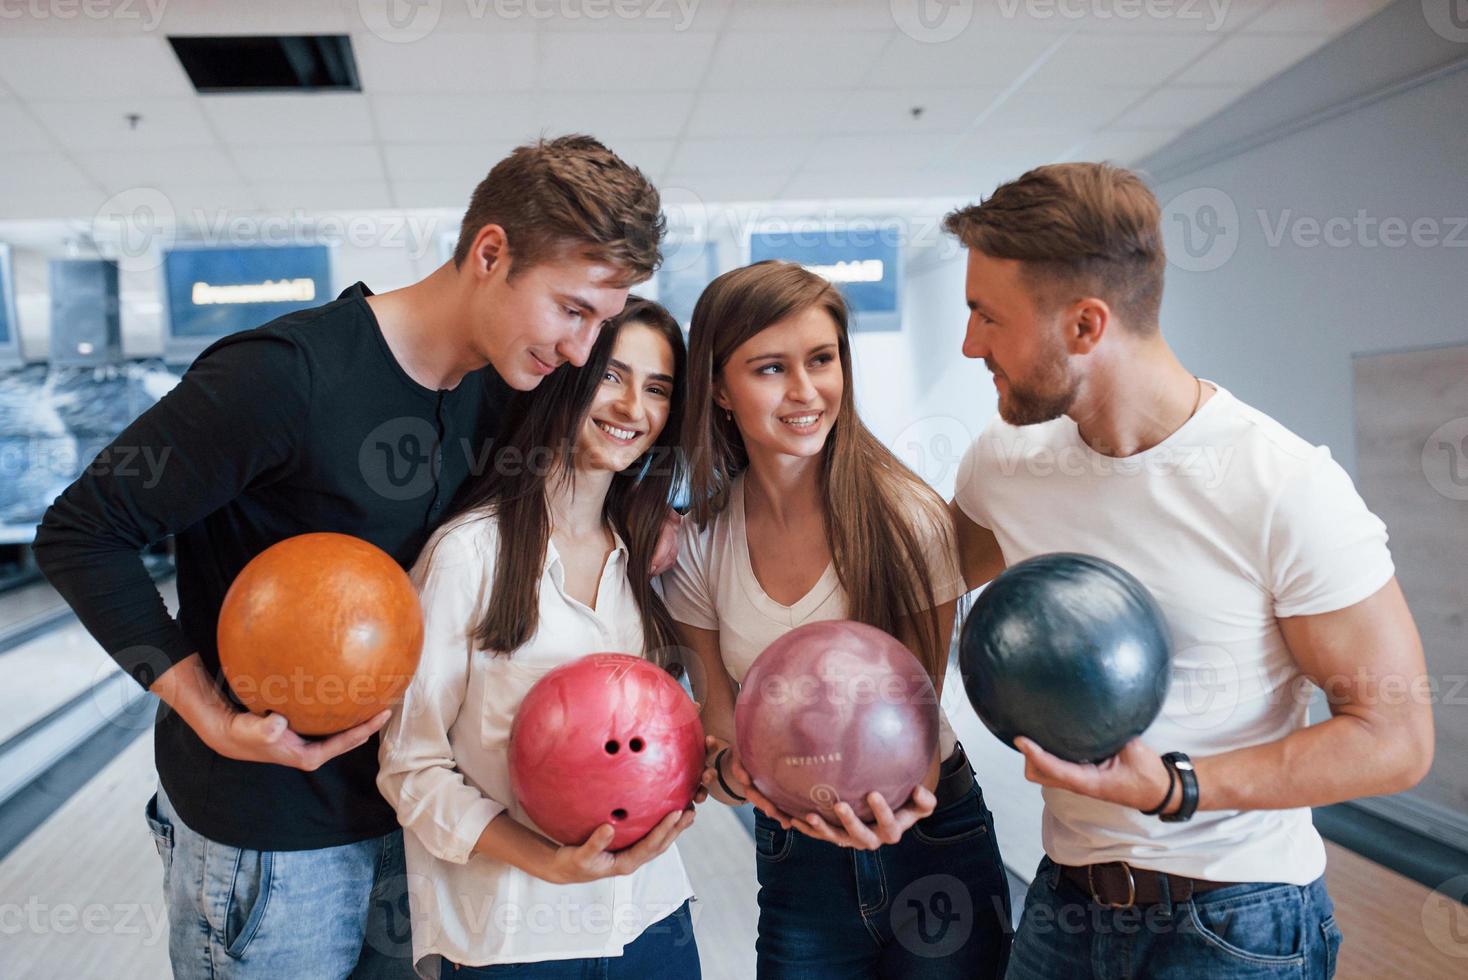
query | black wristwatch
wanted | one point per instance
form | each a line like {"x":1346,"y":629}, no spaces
{"x":719,"y":771}
{"x":1180,"y":765}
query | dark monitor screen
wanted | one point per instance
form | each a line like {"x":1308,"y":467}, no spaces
{"x":862,"y":261}
{"x":213,"y":292}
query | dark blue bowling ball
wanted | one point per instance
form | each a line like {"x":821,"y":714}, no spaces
{"x":1069,"y":651}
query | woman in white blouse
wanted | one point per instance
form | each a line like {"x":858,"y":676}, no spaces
{"x":546,"y":560}
{"x":799,"y":514}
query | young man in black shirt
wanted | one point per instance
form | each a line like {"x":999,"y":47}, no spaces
{"x":364,"y":417}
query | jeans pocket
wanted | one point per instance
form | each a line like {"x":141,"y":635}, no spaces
{"x":162,"y":832}
{"x":771,"y":841}
{"x":960,"y":820}
{"x":249,"y":895}
{"x":1333,"y":938}
{"x":1263,"y":928}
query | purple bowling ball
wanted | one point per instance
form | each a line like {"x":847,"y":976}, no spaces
{"x":833,"y":711}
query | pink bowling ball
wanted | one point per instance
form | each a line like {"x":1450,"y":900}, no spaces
{"x":608,"y":738}
{"x":833,"y":711}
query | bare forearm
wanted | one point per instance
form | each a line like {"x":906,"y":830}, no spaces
{"x":1340,"y":759}
{"x":508,"y":841}
{"x":187,"y":688}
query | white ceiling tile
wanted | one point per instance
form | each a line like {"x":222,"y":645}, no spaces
{"x":1179,"y":106}
{"x":628,"y":16}
{"x":307,"y":164}
{"x":41,"y":171}
{"x":1248,"y":59}
{"x":842,"y":153}
{"x":1124,"y":146}
{"x":649,"y":156}
{"x":433,"y":193}
{"x":18,"y":203}
{"x":753,"y":155}
{"x":649,"y":115}
{"x":282,"y":120}
{"x":91,"y":67}
{"x":794,"y":61}
{"x":813,"y":186}
{"x":1088,"y":60}
{"x":119,"y":170}
{"x":1027,"y":145}
{"x":726,"y":114}
{"x":444,"y":62}
{"x":463,"y":162}
{"x":21,"y":131}
{"x":104,"y":124}
{"x":1084,"y":108}
{"x":633,"y":63}
{"x":725,"y":187}
{"x":1315,"y":16}
{"x":878,"y":110}
{"x":973,"y":58}
{"x":446,"y":118}
{"x":254,"y":17}
{"x":1120,"y":16}
{"x":807,"y":16}
{"x":324,"y":195}
{"x":223,"y":211}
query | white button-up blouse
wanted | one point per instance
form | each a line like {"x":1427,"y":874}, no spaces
{"x":444,"y":768}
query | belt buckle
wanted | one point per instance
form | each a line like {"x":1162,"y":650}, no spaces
{"x":1131,"y":887}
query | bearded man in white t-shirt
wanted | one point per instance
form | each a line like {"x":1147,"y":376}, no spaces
{"x":1191,"y":852}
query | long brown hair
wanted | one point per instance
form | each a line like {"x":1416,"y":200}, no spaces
{"x":875,"y":507}
{"x":536,"y":441}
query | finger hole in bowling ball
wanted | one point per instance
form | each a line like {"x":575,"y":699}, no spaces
{"x":612,"y":747}
{"x":635,"y":745}
{"x":619,"y":814}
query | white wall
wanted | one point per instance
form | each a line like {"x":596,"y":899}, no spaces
{"x":1340,"y":195}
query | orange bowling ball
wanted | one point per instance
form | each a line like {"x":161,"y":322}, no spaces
{"x":323,"y":628}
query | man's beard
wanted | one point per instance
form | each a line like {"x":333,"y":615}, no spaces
{"x":1047,"y":393}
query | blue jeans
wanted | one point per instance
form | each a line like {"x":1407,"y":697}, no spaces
{"x":238,"y":914}
{"x":933,"y":905}
{"x":1240,"y":932}
{"x":666,"y":949}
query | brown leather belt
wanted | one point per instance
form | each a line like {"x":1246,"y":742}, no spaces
{"x":1118,"y":885}
{"x":955,"y":776}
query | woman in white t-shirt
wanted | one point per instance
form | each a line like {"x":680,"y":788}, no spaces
{"x":799,"y":514}
{"x":546,"y":560}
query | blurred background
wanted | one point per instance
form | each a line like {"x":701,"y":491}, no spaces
{"x":175,"y":170}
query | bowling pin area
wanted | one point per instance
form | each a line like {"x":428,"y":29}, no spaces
{"x":173,"y":172}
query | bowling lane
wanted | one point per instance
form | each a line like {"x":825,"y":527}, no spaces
{"x":84,"y":896}
{"x":45,"y":672}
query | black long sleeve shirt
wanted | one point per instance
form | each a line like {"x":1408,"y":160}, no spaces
{"x":305,"y":424}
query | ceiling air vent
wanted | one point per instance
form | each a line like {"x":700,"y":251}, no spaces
{"x":242,"y":63}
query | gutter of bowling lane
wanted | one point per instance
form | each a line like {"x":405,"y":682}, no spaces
{"x":45,"y":763}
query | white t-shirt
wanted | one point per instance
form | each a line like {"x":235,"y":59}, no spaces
{"x":444,"y":767}
{"x":1231,"y":522}
{"x":713,"y":587}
